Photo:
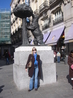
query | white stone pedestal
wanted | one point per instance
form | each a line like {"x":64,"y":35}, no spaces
{"x":20,"y":76}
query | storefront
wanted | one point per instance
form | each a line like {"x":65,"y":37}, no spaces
{"x":56,"y":39}
{"x":46,"y":35}
{"x":69,"y":40}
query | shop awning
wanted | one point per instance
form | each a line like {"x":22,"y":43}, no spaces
{"x":54,"y":36}
{"x":69,"y":35}
{"x":45,"y":36}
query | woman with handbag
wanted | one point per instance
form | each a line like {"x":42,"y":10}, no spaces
{"x":33,"y":66}
{"x":70,"y":63}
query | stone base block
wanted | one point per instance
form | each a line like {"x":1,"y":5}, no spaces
{"x":48,"y":66}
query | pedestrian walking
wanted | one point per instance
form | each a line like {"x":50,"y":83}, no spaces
{"x":58,"y":57}
{"x":7,"y":57}
{"x":70,"y":63}
{"x":33,"y":66}
{"x":63,"y":55}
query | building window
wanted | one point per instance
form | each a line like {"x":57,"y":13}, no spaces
{"x":57,"y":16}
{"x":45,"y":24}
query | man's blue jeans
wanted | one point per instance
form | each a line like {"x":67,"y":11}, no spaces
{"x":34,"y":79}
{"x":58,"y":59}
{"x":7,"y":61}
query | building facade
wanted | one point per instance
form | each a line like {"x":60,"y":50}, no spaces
{"x":5,"y":31}
{"x":56,"y":18}
{"x":16,"y":24}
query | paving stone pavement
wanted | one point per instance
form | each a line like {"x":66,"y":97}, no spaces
{"x":61,"y":89}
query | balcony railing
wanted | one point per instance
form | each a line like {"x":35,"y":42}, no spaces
{"x":43,"y":5}
{"x":58,"y":20}
{"x":45,"y":26}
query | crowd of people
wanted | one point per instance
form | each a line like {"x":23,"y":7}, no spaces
{"x":59,"y":56}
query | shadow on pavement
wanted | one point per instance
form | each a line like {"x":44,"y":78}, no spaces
{"x":1,"y":88}
{"x":69,"y":80}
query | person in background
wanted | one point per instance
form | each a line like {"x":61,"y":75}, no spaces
{"x":70,"y":63}
{"x":58,"y":57}
{"x":7,"y":57}
{"x":63,"y":55}
{"x":34,"y":70}
{"x":55,"y":55}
